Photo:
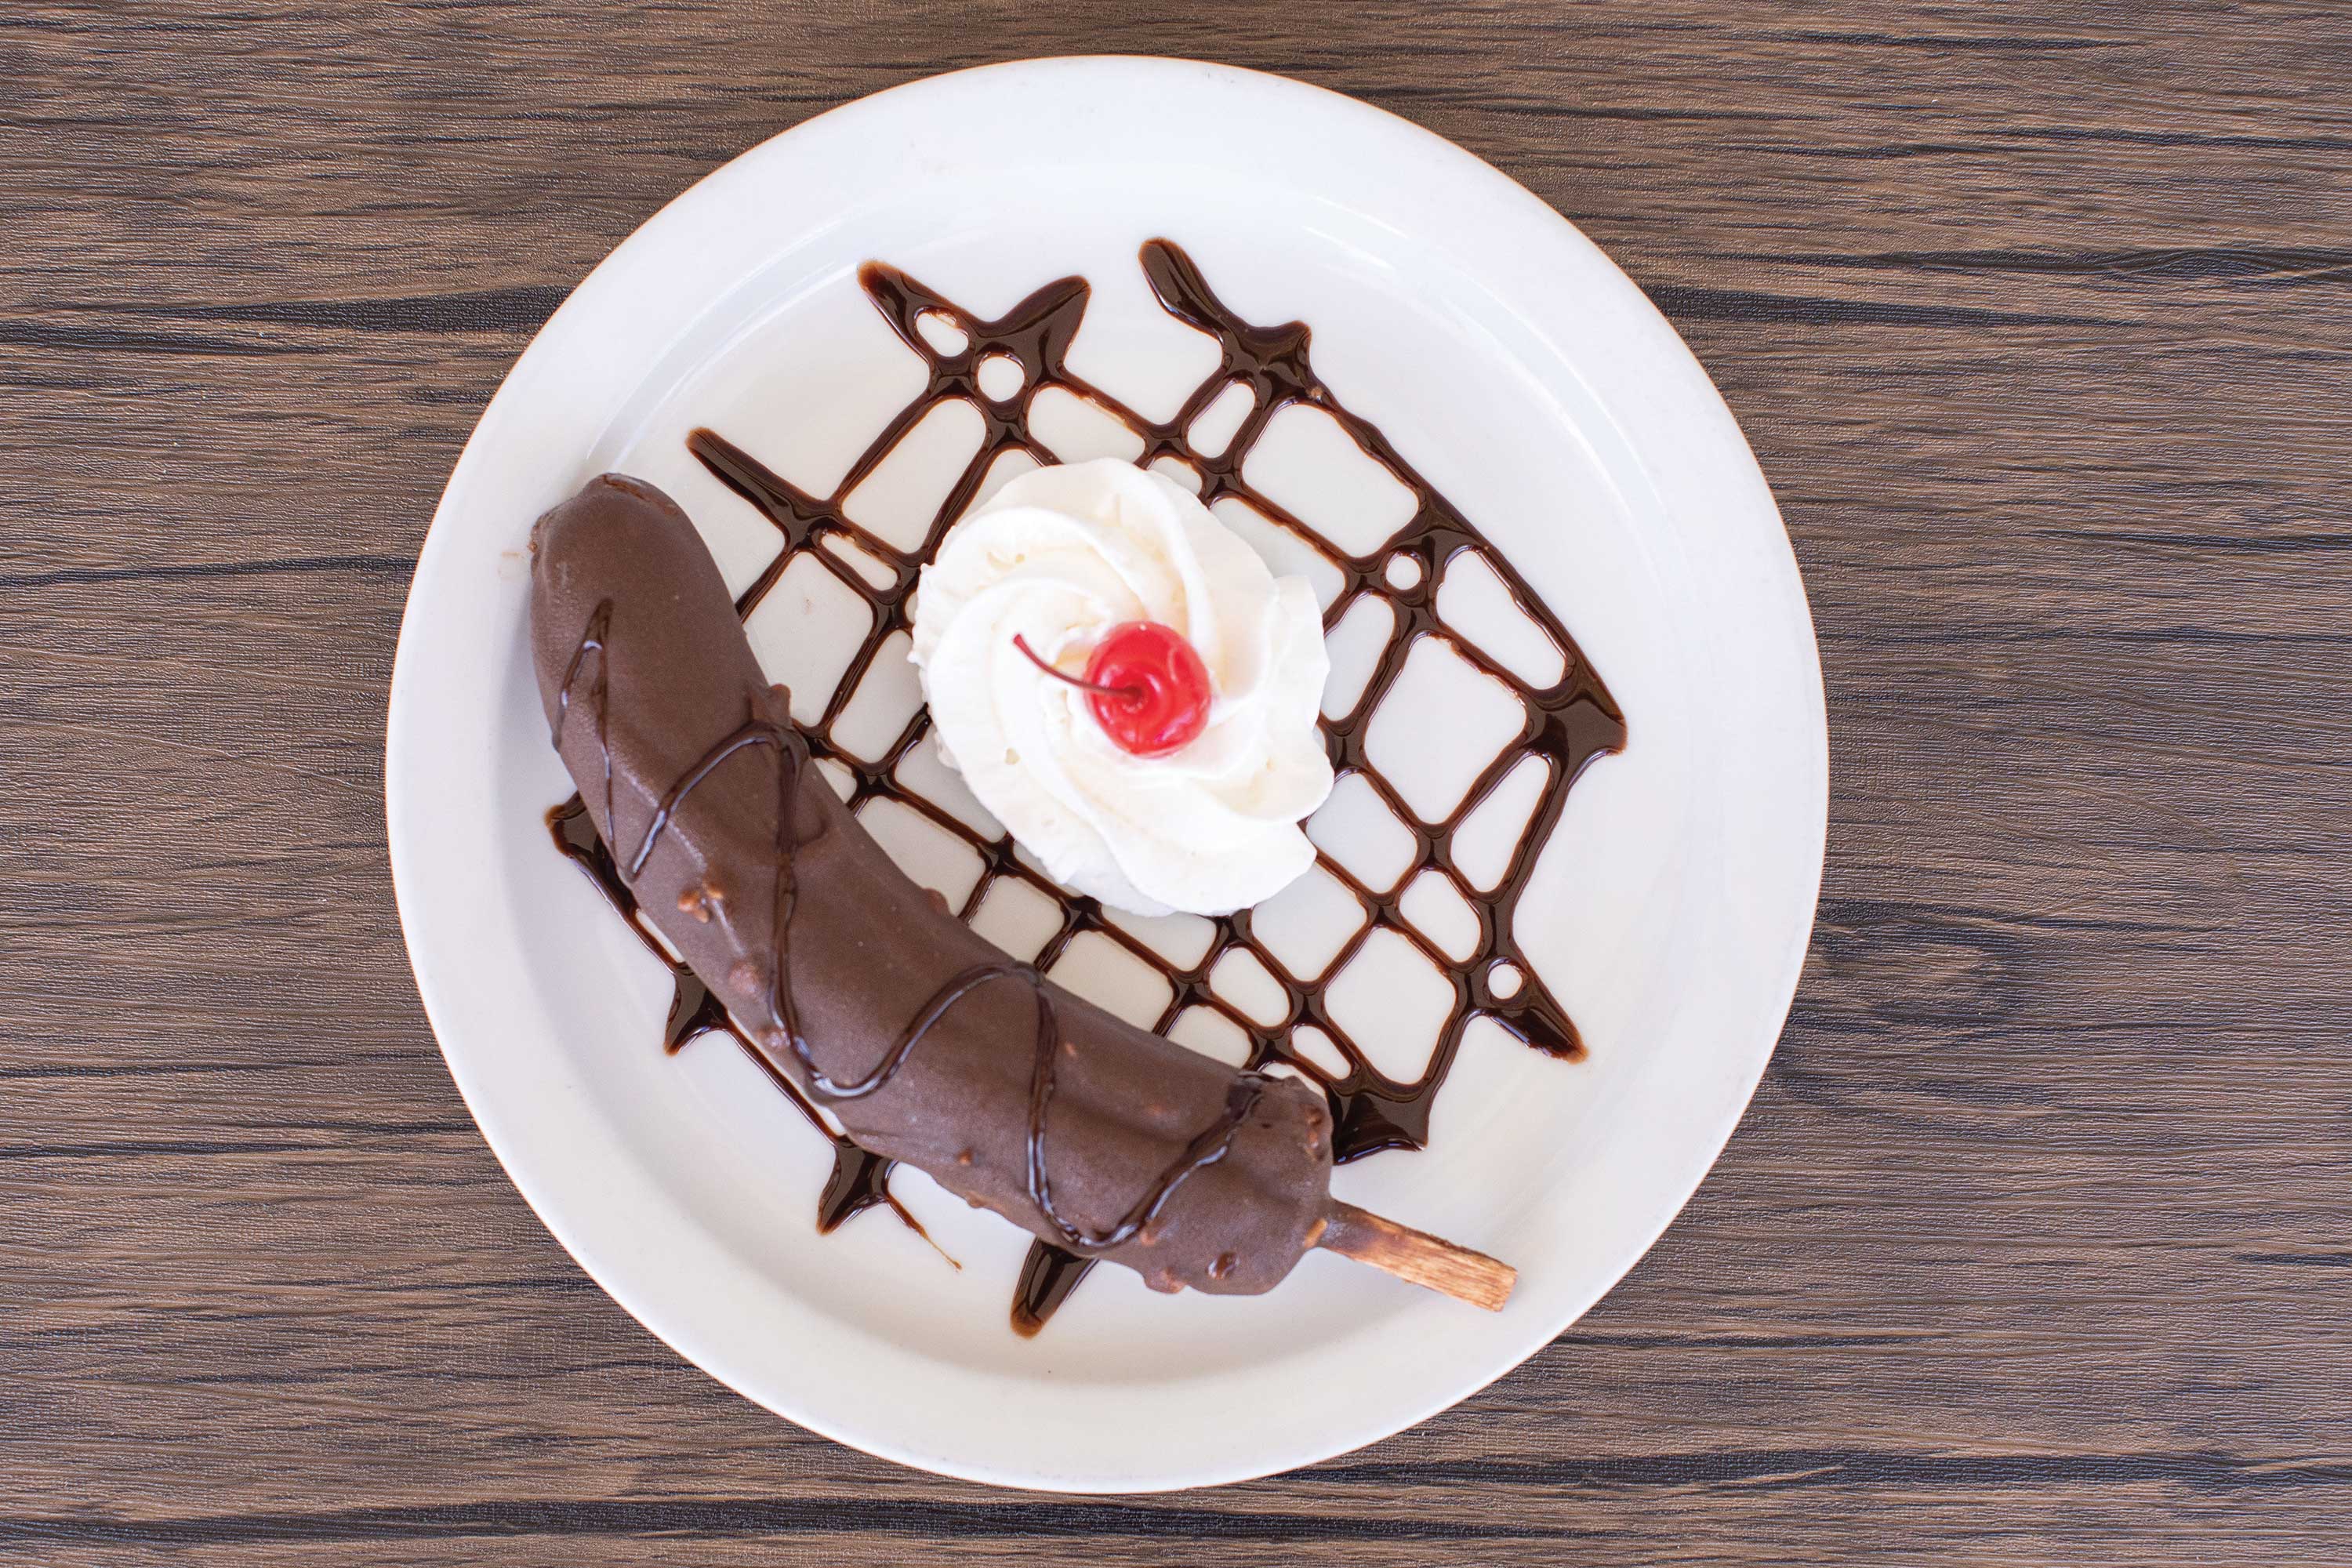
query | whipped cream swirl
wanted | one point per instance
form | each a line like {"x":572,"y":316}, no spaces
{"x":1058,"y":557}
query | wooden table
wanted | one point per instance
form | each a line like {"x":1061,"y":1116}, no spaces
{"x":2034,"y":1247}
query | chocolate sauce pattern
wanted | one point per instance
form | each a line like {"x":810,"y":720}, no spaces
{"x":1567,"y":723}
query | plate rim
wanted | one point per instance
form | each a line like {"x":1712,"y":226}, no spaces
{"x":1302,"y":97}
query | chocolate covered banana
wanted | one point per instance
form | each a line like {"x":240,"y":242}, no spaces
{"x":926,"y":1042}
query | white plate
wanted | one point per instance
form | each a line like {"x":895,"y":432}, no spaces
{"x":1518,"y":370}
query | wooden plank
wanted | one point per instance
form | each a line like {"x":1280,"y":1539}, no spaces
{"x":2032,"y":1249}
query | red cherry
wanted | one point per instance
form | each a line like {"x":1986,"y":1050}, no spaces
{"x":1147,"y":687}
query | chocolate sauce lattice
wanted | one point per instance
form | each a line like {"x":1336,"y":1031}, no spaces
{"x":1564,"y":724}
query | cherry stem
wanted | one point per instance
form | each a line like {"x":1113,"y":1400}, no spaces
{"x":1128,"y":693}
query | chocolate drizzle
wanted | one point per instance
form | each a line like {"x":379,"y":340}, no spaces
{"x":1566,"y":724}
{"x":1049,"y":1274}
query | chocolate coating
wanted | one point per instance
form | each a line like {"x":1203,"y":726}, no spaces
{"x":926,"y":1043}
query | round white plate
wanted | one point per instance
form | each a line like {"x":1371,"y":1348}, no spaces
{"x":1509,"y":362}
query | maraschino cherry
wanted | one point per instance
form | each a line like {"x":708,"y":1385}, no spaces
{"x":1147,"y":687}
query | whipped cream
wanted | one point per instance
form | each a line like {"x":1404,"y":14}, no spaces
{"x":1058,"y":557}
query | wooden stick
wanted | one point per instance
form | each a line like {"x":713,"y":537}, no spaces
{"x":1416,"y":1255}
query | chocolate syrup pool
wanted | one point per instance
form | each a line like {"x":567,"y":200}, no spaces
{"x":1566,"y":724}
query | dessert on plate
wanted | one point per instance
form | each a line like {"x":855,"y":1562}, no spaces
{"x":1126,"y":688}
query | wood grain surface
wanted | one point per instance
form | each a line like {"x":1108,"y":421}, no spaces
{"x":2036,"y":1247}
